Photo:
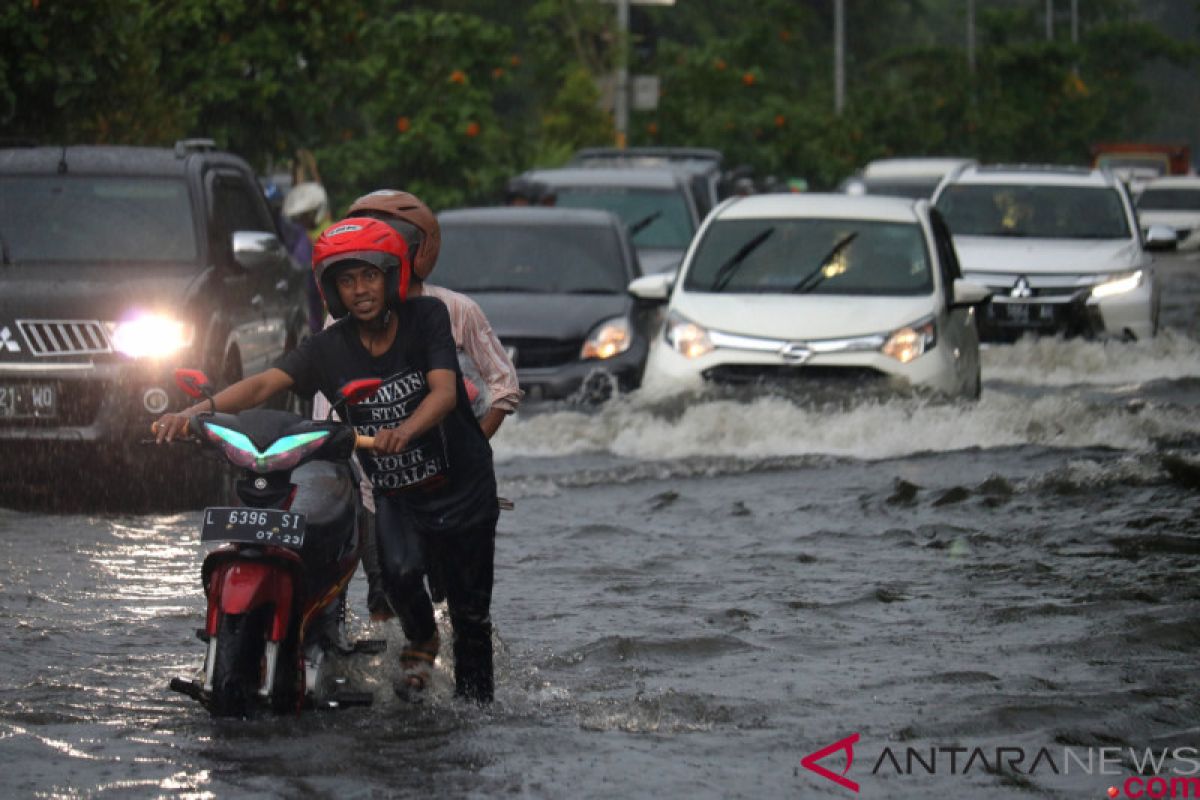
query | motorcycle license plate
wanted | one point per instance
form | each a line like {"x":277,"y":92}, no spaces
{"x":28,"y":401}
{"x":253,"y":526}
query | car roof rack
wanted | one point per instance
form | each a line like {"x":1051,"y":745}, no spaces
{"x":1062,"y":169}
{"x":185,"y":146}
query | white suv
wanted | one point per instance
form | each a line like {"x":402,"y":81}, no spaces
{"x":1059,"y":246}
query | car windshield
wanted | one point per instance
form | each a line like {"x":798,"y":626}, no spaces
{"x":660,"y":218}
{"x":562,"y":259}
{"x":811,"y":256}
{"x":1046,"y":212}
{"x":1170,"y":200}
{"x":96,"y":219}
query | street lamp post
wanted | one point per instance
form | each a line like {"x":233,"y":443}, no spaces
{"x":839,"y":56}
{"x":971,"y":35}
{"x":621,"y":89}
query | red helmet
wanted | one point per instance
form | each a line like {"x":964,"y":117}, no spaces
{"x":361,"y":240}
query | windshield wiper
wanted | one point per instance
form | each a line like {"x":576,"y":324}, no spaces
{"x":642,"y":223}
{"x":727,"y":270}
{"x":807,"y":284}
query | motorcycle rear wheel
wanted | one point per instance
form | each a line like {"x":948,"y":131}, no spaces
{"x":237,"y":673}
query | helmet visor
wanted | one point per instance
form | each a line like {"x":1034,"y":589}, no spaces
{"x":384,"y":261}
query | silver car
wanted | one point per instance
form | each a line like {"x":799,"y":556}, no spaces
{"x":1060,"y":248}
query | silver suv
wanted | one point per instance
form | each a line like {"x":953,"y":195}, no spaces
{"x":1059,"y":246}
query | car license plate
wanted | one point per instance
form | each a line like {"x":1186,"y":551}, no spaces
{"x":28,"y":401}
{"x":1018,"y":312}
{"x":253,"y":526}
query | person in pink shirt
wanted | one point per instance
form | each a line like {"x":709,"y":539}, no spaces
{"x":488,"y":372}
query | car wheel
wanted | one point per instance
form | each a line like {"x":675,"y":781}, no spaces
{"x":231,"y":370}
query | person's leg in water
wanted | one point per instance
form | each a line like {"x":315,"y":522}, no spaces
{"x":377,"y":602}
{"x":401,"y":551}
{"x":465,"y":563}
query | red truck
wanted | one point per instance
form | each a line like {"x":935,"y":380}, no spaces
{"x":1138,"y":163}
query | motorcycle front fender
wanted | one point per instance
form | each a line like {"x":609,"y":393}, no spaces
{"x":238,"y":586}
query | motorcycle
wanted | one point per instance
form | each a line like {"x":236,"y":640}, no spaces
{"x":275,"y":586}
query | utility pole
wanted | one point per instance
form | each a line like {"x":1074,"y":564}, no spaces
{"x":971,"y":35}
{"x":1049,"y":20}
{"x":1074,"y":21}
{"x":621,"y":89}
{"x":839,"y":56}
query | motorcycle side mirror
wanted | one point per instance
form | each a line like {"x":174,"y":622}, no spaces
{"x":357,"y":391}
{"x":193,"y":382}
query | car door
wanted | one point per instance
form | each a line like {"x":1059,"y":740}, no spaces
{"x":956,"y":324}
{"x":258,"y":295}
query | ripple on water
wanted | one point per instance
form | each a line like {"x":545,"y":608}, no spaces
{"x":670,"y":712}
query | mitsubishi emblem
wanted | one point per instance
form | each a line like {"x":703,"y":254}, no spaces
{"x":1021,"y":288}
{"x":8,"y":341}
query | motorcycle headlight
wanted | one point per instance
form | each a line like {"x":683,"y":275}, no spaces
{"x":609,"y":338}
{"x":911,"y":341}
{"x":1118,"y":285}
{"x":688,"y":338}
{"x":149,"y":336}
{"x":285,"y":453}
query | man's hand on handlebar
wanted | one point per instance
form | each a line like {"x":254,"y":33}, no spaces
{"x":389,"y":441}
{"x":171,"y":426}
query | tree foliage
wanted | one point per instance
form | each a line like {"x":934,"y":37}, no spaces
{"x":449,"y":98}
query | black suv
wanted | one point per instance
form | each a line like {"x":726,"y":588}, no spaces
{"x":702,"y":166}
{"x":119,"y":264}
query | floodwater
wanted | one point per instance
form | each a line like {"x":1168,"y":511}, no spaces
{"x":692,"y":598}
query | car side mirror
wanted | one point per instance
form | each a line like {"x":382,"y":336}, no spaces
{"x":653,"y":289}
{"x":255,"y":250}
{"x":968,"y":293}
{"x":1161,"y":237}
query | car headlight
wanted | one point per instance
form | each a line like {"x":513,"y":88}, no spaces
{"x":911,"y":341}
{"x":149,"y":336}
{"x":1118,"y":285}
{"x":609,"y":338}
{"x":688,"y":338}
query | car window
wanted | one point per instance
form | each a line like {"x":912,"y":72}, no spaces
{"x":236,"y":209}
{"x":817,"y":256}
{"x":96,"y":219}
{"x":1170,"y":200}
{"x":1048,"y":212}
{"x":661,"y":218}
{"x":570,"y":259}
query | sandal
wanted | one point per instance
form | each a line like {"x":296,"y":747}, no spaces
{"x":416,"y":670}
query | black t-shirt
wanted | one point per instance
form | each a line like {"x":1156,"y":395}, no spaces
{"x":445,"y":477}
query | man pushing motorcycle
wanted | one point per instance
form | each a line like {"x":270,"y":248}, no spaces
{"x":431,"y":468}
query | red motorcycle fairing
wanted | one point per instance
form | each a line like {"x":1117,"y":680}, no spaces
{"x":236,"y":585}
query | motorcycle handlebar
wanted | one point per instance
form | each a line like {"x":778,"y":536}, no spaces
{"x":361,"y":442}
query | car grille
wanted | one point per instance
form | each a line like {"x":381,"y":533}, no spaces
{"x":64,"y":337}
{"x":772,"y":373}
{"x":544,"y":352}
